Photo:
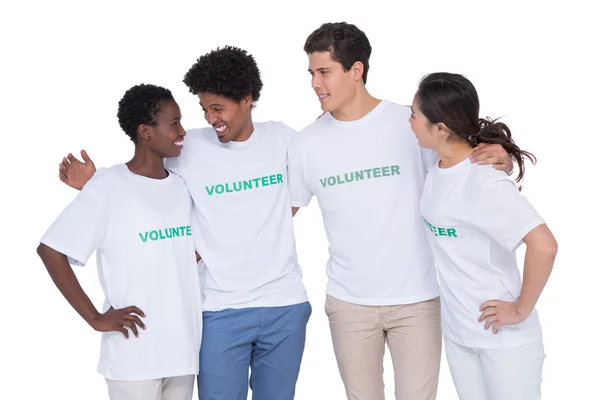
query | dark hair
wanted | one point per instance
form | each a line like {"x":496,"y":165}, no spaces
{"x":140,"y":105}
{"x":346,"y":43}
{"x":230,"y":72}
{"x":452,"y":99}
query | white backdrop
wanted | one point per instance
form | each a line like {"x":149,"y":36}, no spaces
{"x":65,"y":65}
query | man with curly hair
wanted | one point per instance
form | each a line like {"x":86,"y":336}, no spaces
{"x":255,"y":304}
{"x":138,"y":218}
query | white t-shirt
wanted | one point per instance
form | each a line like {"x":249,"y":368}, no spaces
{"x":243,"y":218}
{"x":367,"y":176}
{"x":475,"y":219}
{"x":141,"y":230}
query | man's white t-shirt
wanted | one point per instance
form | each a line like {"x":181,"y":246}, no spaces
{"x":140,"y":229}
{"x":475,"y":219}
{"x":367,"y":176}
{"x":242,"y":217}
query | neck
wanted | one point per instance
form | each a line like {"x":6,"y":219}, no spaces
{"x":246,"y":131}
{"x":357,"y":107}
{"x":452,"y":153}
{"x":148,"y":164}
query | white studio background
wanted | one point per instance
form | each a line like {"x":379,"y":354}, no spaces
{"x":65,"y":65}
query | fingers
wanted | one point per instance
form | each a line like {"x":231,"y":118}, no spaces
{"x":62,"y":177}
{"x":123,"y":331}
{"x":131,"y":325}
{"x":72,"y":159}
{"x":488,"y":312}
{"x":485,"y":151}
{"x":490,"y":320}
{"x":135,"y":319}
{"x":133,"y":309}
{"x":496,"y":326}
{"x":489,"y":303}
{"x":65,"y":163}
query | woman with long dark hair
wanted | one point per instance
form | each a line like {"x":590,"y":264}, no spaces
{"x":476,"y":219}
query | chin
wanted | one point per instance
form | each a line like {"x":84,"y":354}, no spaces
{"x":326,"y":107}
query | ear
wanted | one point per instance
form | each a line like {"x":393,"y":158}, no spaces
{"x":441,"y":129}
{"x":144,"y":132}
{"x":247,"y":101}
{"x":357,"y":70}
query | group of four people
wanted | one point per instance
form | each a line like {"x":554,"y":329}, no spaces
{"x":196,"y":250}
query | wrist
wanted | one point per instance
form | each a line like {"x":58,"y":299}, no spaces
{"x":523,"y":308}
{"x":92,"y":319}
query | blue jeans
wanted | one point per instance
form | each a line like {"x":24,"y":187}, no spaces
{"x":267,"y":340}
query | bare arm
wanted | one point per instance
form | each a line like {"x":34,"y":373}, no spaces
{"x":65,"y":280}
{"x":539,"y":260}
{"x":295,"y":210}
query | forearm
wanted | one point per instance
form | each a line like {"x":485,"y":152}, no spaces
{"x":539,"y":261}
{"x":295,"y":210}
{"x":65,"y":280}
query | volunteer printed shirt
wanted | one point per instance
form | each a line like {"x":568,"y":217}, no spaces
{"x":367,"y":176}
{"x":242,"y":215}
{"x":141,"y":230}
{"x":475,"y":218}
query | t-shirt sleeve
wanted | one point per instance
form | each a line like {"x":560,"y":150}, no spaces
{"x":300,"y":193}
{"x":80,"y":229}
{"x":504,"y":214}
{"x":429,"y":158}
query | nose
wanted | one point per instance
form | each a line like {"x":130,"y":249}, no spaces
{"x":315,"y":82}
{"x":182,"y":131}
{"x":210,"y":117}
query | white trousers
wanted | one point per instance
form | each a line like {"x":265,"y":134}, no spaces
{"x":497,"y":374}
{"x":175,"y":388}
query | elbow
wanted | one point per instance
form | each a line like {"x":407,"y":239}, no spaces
{"x":549,"y":247}
{"x":553,"y":248}
{"x":41,"y":250}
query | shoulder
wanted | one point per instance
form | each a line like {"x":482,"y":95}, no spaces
{"x":199,"y":135}
{"x":277,"y":129}
{"x":105,"y":177}
{"x":395,"y":108}
{"x":102,"y":185}
{"x":315,"y":130}
{"x":488,"y":179}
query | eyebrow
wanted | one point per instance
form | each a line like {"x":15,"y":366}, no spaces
{"x":320,"y":69}
{"x":212,"y":105}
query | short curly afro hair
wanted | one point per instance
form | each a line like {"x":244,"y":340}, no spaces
{"x":140,"y":105}
{"x":230,"y":72}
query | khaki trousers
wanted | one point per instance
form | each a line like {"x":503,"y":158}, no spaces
{"x":175,"y":388}
{"x":413,"y":335}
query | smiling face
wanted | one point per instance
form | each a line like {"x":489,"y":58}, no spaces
{"x":333,"y":86}
{"x":165,"y":136}
{"x":226,"y":115}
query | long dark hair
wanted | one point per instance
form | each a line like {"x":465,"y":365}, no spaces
{"x":452,"y":99}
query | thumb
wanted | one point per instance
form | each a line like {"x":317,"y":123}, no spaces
{"x":86,"y":158}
